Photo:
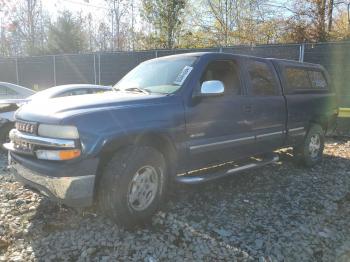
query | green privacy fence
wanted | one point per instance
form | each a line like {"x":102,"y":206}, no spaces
{"x":107,"y":68}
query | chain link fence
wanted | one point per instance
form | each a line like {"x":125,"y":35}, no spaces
{"x":107,"y":68}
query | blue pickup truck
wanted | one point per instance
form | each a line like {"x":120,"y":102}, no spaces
{"x":188,"y":118}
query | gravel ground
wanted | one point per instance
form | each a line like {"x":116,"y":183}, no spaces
{"x":281,"y":212}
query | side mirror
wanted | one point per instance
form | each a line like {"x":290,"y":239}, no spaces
{"x":212,"y":88}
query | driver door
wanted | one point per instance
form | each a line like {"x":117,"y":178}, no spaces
{"x":219,"y":128}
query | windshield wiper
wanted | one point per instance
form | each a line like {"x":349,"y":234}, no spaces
{"x":136,"y":89}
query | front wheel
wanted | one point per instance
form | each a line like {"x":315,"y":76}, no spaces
{"x":311,"y":152}
{"x":132,"y":185}
{"x":4,"y":133}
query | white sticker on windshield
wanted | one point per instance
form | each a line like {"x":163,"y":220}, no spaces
{"x":180,"y":79}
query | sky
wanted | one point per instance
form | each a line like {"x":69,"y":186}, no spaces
{"x":95,"y":7}
{"x":100,"y":6}
{"x":54,"y":7}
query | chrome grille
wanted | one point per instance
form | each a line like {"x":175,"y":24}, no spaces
{"x":23,"y":147}
{"x":27,"y":127}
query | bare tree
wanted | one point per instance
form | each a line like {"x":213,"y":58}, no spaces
{"x":223,"y":13}
{"x":27,"y":21}
{"x":119,"y":10}
{"x":330,"y":14}
{"x":102,"y":37}
{"x":320,"y":18}
{"x":166,"y":17}
{"x":236,"y":21}
{"x":90,"y":32}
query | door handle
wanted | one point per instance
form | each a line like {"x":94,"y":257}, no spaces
{"x":247,"y":108}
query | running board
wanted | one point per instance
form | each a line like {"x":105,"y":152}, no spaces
{"x":208,"y":174}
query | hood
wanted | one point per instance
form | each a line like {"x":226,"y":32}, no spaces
{"x":55,"y":109}
{"x":15,"y":101}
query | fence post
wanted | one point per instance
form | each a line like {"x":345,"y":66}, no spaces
{"x":99,"y":69}
{"x":95,"y":76}
{"x":156,"y":53}
{"x":54,"y":70}
{"x":17,"y":73}
{"x":301,"y":52}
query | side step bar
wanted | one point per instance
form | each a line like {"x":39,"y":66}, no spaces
{"x":201,"y":176}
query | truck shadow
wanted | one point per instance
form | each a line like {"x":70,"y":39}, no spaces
{"x":279,"y":211}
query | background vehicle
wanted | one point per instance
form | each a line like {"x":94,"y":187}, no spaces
{"x":10,"y":91}
{"x":9,"y":95}
{"x":9,"y":106}
{"x":69,"y":90}
{"x":168,"y":118}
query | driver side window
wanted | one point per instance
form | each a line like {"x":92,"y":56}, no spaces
{"x":225,"y":71}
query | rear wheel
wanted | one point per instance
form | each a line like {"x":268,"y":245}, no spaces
{"x":311,"y":152}
{"x":132,"y":185}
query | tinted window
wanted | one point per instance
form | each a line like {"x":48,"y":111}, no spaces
{"x":304,"y":79}
{"x":97,"y":90}
{"x":318,"y":80}
{"x":80,"y":92}
{"x":11,"y":92}
{"x":2,"y":90}
{"x":74,"y":92}
{"x":262,"y":79}
{"x":297,"y":79}
{"x":225,"y":71}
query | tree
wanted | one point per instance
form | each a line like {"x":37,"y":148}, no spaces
{"x":66,"y":35}
{"x":225,"y":18}
{"x":320,"y":19}
{"x":27,"y":24}
{"x":166,"y":16}
{"x":330,"y":14}
{"x":238,"y":21}
{"x":90,"y":32}
{"x":267,"y":31}
{"x":314,"y":17}
{"x":296,"y":31}
{"x":119,"y":10}
{"x":102,"y":37}
{"x":341,"y":29}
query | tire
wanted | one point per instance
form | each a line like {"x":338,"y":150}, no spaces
{"x":4,"y":133}
{"x":311,"y":151}
{"x":132,"y":185}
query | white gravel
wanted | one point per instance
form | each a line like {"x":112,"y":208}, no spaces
{"x":282,"y":212}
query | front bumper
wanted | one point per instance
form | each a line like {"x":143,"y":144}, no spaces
{"x":70,"y":184}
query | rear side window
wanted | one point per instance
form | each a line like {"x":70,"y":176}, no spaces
{"x":297,"y":79}
{"x":262,"y":80}
{"x":318,"y":80}
{"x":11,"y":92}
{"x":7,"y":91}
{"x":3,"y":90}
{"x":300,"y":79}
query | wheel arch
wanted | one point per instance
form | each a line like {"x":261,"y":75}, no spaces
{"x":163,"y":143}
{"x":160,"y":141}
{"x":320,"y":120}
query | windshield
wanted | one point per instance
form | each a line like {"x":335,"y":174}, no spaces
{"x":44,"y":94}
{"x":157,"y":76}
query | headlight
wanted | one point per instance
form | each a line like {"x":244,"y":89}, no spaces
{"x":58,"y":154}
{"x":57,"y":131}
